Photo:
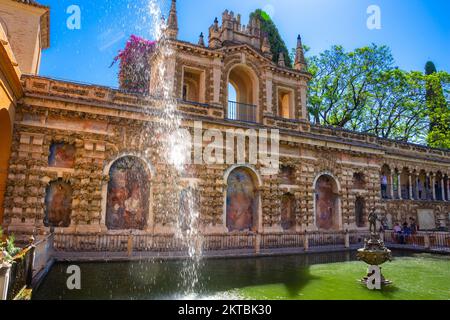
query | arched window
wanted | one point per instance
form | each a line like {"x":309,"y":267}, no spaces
{"x":327,"y":203}
{"x":422,"y":189}
{"x":61,"y":155}
{"x":385,"y":181}
{"x":58,"y":204}
{"x":288,"y":211}
{"x":395,"y":184}
{"x":360,"y":207}
{"x":404,"y":179}
{"x":128,"y":195}
{"x":242,"y":200}
{"x":244,"y":90}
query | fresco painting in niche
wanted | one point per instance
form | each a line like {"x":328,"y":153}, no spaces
{"x":241,"y":202}
{"x":58,"y":204}
{"x":128,"y":195}
{"x":287,"y":211}
{"x":326,"y":203}
{"x":62,"y":155}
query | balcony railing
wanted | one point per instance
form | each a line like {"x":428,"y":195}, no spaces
{"x":241,"y":111}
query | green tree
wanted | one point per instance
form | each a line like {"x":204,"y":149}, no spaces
{"x":438,"y":107}
{"x":362,"y":90}
{"x":342,"y":82}
{"x":269,"y":28}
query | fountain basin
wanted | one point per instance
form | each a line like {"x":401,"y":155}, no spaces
{"x":374,"y":257}
{"x":324,"y":276}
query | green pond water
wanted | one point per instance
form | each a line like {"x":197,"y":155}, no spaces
{"x":314,"y":276}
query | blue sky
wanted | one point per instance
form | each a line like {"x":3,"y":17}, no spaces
{"x":415,"y":30}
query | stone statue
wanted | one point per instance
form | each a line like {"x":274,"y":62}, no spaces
{"x":373,"y":217}
{"x":374,"y":254}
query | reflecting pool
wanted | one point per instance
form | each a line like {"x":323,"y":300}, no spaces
{"x":312,"y":276}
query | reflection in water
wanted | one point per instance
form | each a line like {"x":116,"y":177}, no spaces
{"x":310,"y":276}
{"x":160,"y":279}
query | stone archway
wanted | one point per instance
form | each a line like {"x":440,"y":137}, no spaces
{"x":244,"y":82}
{"x":242,"y":203}
{"x":5,"y":151}
{"x":327,"y":203}
{"x":128,"y":195}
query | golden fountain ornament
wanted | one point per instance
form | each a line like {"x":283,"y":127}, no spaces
{"x":374,"y":254}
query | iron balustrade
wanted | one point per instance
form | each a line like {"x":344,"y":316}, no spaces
{"x":241,"y":111}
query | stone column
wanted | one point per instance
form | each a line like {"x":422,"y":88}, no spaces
{"x":417,"y":185}
{"x":269,"y":92}
{"x":347,"y":239}
{"x":217,"y":75}
{"x":443,"y":189}
{"x":399,"y":189}
{"x":392,"y":185}
{"x":448,"y":189}
{"x":410,"y":186}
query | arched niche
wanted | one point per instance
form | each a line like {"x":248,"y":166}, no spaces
{"x":128,"y":194}
{"x":288,"y":211}
{"x":58,"y":204}
{"x":242,"y":212}
{"x":360,"y":208}
{"x":327,"y":203}
{"x":385,"y":181}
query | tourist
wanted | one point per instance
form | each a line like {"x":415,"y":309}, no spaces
{"x":406,"y":232}
{"x":397,"y":232}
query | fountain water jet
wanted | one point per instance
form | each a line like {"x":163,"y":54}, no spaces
{"x":180,"y":205}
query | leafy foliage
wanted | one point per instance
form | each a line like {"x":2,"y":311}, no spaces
{"x":134,"y":69}
{"x":269,"y":28}
{"x":362,"y":90}
{"x":7,"y":249}
{"x":438,"y":107}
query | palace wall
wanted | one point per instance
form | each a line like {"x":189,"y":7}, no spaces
{"x":68,"y":137}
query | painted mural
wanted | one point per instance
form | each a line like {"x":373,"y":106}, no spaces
{"x":58,"y":204}
{"x":287,"y":211}
{"x":326,"y":203}
{"x":62,"y":155}
{"x":128,"y":195}
{"x":242,"y":201}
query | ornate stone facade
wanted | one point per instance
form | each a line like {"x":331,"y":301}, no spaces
{"x":104,"y":125}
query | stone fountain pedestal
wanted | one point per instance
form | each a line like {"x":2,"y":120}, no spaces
{"x":374,"y":254}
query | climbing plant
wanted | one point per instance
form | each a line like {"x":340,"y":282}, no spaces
{"x":134,"y":68}
{"x":269,"y":28}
